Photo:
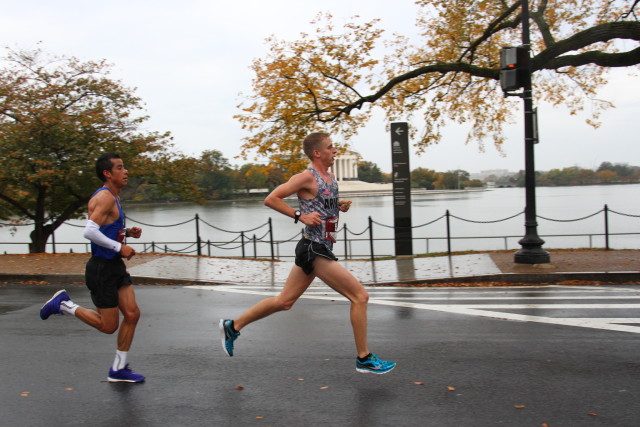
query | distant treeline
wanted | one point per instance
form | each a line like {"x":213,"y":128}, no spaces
{"x":607,"y":173}
{"x":219,"y":180}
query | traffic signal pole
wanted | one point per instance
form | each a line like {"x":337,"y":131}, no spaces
{"x":531,"y":251}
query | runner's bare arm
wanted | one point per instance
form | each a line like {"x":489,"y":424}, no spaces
{"x":301,"y":184}
{"x":101,"y":211}
{"x":101,"y":208}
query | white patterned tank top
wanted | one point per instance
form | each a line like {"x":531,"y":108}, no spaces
{"x":326,"y":204}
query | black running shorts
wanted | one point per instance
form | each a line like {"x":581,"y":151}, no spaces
{"x":307,"y":251}
{"x":103,"y":278}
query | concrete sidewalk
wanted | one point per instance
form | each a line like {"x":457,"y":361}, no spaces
{"x":613,"y":266}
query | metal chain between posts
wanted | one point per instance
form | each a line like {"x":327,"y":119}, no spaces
{"x":231,"y":231}
{"x":180,"y":251}
{"x":487,"y":222}
{"x":162,"y":226}
{"x":260,"y":239}
{"x":413,"y":226}
{"x":220,"y":246}
{"x":359,"y":234}
{"x":225,"y":243}
{"x":429,"y":223}
{"x":572,"y":220}
{"x":295,"y":236}
{"x":624,"y":214}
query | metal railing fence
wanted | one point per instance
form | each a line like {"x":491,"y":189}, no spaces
{"x":258,"y":242}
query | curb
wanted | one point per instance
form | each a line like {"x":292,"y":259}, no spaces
{"x":614,"y":277}
{"x":79,"y":279}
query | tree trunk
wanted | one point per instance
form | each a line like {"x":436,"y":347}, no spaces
{"x":39,"y":237}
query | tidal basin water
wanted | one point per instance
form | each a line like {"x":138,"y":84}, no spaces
{"x":476,"y":223}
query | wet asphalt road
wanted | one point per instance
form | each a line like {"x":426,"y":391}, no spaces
{"x":455,"y":368}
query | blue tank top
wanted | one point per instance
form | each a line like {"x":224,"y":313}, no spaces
{"x":114,"y":231}
{"x":326,"y":204}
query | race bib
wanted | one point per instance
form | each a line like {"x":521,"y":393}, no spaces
{"x":331,"y":228}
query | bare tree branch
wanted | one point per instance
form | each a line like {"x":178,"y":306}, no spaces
{"x":631,"y":11}
{"x":551,"y":58}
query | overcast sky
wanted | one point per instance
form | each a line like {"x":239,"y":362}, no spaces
{"x":190,"y":59}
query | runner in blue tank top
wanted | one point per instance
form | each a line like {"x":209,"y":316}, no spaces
{"x":113,"y":231}
{"x":106,"y":274}
{"x":317,"y":192}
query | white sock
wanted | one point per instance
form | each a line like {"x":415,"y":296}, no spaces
{"x":120,"y":361}
{"x":69,"y":307}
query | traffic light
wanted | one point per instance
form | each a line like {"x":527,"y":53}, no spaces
{"x":513,"y":71}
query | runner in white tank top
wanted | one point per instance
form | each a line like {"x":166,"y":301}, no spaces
{"x":317,"y":192}
{"x":326,"y":204}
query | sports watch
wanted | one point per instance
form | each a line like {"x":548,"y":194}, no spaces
{"x":296,"y":216}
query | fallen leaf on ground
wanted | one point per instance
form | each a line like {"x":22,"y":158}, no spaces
{"x":593,"y":414}
{"x":519,"y":406}
{"x":324,"y":387}
{"x":69,"y":388}
{"x":418,"y":383}
{"x":451,"y":388}
{"x":239,"y":388}
{"x":25,"y":393}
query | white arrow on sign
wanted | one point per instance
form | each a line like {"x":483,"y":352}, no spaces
{"x":399,"y":131}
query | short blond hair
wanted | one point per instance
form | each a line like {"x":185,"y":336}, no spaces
{"x":312,"y":142}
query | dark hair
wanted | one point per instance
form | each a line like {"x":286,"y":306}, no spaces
{"x":312,"y":142}
{"x":104,"y":163}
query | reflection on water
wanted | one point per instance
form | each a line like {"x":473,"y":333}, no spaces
{"x":473,"y":215}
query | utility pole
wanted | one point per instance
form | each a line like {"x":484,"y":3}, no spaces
{"x":531,"y":251}
{"x":515,"y":74}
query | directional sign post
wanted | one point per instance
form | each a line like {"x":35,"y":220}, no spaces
{"x":401,"y":188}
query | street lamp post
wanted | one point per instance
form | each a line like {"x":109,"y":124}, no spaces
{"x":531,"y":251}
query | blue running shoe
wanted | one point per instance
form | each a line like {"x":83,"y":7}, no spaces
{"x":373,"y":365}
{"x":124,"y":375}
{"x":53,"y":305}
{"x":227,"y":336}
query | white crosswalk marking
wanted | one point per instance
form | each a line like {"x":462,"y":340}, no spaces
{"x":563,"y":305}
